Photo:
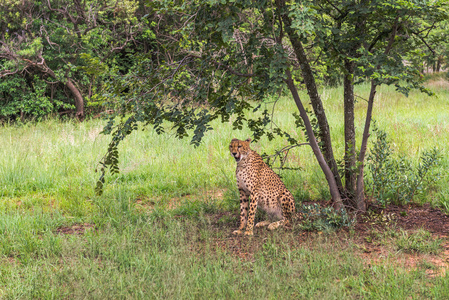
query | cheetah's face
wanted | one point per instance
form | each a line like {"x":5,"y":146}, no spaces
{"x":239,"y":149}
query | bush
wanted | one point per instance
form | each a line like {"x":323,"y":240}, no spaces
{"x":29,"y":97}
{"x":396,"y":179}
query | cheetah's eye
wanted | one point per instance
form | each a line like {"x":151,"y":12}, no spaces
{"x":240,"y":146}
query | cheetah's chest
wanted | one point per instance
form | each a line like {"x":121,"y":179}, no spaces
{"x":244,"y":180}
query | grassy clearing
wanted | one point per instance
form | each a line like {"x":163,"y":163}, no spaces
{"x":138,"y":248}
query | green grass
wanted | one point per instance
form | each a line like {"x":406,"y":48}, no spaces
{"x":178,"y":258}
{"x":138,"y":248}
{"x":419,"y":242}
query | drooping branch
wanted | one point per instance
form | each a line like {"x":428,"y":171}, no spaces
{"x":40,"y":64}
{"x":282,"y":155}
{"x":424,"y":42}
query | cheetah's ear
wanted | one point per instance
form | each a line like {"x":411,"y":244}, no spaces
{"x":248,"y":140}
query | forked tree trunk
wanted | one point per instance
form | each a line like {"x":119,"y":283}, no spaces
{"x":333,"y":188}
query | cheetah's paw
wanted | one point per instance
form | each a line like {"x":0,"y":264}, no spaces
{"x":263,"y":223}
{"x":273,"y":226}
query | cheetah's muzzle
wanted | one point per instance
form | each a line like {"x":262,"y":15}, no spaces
{"x":236,"y":156}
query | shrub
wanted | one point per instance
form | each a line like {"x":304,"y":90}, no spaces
{"x":396,"y":179}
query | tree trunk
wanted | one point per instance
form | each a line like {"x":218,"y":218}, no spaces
{"x":360,"y":195}
{"x":313,"y":94}
{"x":79,"y":101}
{"x":333,"y":188}
{"x":350,"y":156}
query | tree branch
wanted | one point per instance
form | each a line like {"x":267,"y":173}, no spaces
{"x":227,"y":68}
{"x":424,"y":41}
{"x":394,"y":31}
{"x":5,"y":73}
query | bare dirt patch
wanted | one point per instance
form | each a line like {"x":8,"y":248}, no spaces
{"x":408,"y":218}
{"x":205,"y":195}
{"x":9,"y":260}
{"x":77,"y":229}
{"x":377,"y":221}
{"x":144,"y":203}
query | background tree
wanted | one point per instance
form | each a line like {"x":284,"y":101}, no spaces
{"x":370,"y":39}
{"x":436,"y":49}
{"x":53,"y":43}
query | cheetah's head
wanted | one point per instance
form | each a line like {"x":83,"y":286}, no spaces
{"x":239,"y":149}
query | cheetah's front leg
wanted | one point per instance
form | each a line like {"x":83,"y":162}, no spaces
{"x":243,"y":211}
{"x":251,"y":214}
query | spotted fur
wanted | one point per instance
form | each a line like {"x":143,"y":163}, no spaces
{"x":259,"y":187}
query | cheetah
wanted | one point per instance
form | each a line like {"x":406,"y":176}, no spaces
{"x":259,"y":187}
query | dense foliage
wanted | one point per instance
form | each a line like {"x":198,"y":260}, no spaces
{"x":47,"y":44}
{"x":55,"y":55}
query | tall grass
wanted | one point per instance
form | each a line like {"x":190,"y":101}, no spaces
{"x":140,"y":249}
